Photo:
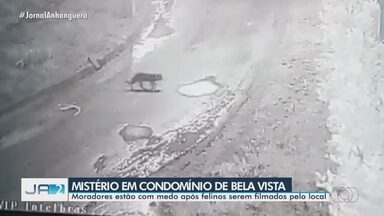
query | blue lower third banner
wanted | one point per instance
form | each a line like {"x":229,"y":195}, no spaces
{"x":164,"y":189}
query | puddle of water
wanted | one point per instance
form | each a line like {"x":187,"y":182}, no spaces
{"x":131,"y":133}
{"x":199,"y":88}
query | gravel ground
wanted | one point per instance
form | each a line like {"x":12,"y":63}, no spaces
{"x":276,"y":127}
{"x":270,"y":117}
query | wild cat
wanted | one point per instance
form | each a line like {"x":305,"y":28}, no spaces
{"x":145,"y":77}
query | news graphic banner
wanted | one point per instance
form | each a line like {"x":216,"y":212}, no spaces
{"x":164,"y":189}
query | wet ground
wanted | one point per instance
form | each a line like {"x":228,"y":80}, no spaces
{"x":75,"y":129}
{"x":201,"y":87}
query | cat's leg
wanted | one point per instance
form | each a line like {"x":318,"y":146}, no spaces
{"x":153,"y":86}
{"x":142,"y":85}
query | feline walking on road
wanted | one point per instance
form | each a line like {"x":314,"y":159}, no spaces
{"x":145,"y":77}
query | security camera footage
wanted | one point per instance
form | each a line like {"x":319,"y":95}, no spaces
{"x":194,"y":89}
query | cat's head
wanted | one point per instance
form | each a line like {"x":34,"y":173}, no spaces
{"x":159,"y":77}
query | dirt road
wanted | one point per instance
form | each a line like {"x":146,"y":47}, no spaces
{"x":40,"y":140}
{"x":275,"y":127}
{"x":246,"y":92}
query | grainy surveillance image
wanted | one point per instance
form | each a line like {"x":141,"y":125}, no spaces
{"x":192,"y":107}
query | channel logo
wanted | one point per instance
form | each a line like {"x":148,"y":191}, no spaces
{"x":345,"y":194}
{"x":44,"y":189}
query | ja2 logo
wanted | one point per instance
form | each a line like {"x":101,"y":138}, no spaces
{"x":52,"y":189}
